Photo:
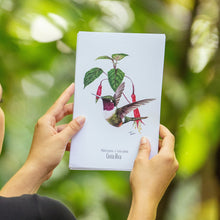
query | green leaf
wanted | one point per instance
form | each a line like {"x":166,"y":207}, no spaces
{"x":91,"y":75}
{"x":119,"y":56}
{"x":115,"y":78}
{"x":104,"y":57}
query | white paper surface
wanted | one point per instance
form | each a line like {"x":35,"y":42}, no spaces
{"x":100,"y":145}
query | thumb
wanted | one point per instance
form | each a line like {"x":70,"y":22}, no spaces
{"x":144,"y":148}
{"x":72,"y":128}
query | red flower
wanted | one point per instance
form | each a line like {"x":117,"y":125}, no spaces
{"x":136,"y":112}
{"x":99,"y":92}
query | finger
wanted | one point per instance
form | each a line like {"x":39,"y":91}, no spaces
{"x":72,"y":128}
{"x":65,"y":96}
{"x":67,"y":110}
{"x":144,"y":148}
{"x":61,"y":101}
{"x":59,"y":128}
{"x":164,"y":131}
{"x":160,"y":144}
{"x":168,"y":139}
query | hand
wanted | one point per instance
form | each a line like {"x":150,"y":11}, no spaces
{"x":150,"y":178}
{"x":50,"y":141}
{"x":47,"y":149}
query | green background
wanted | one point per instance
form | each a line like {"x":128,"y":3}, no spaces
{"x":37,"y":63}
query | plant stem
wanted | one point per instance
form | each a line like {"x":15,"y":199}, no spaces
{"x":126,"y":98}
{"x":114,"y":64}
{"x":131,"y":82}
{"x":102,"y":81}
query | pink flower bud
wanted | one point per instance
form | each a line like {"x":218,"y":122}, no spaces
{"x":99,"y":92}
{"x":136,"y":111}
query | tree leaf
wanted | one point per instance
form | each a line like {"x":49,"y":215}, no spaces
{"x":104,"y":57}
{"x":91,"y":75}
{"x":119,"y":56}
{"x":115,"y":78}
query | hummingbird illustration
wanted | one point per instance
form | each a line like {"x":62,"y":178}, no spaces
{"x":117,"y":116}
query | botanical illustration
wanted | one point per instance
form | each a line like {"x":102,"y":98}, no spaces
{"x":115,"y":115}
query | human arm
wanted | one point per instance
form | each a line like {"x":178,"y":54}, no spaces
{"x":47,"y":149}
{"x":150,"y":178}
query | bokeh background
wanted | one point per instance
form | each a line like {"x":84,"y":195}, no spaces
{"x":37,"y":58}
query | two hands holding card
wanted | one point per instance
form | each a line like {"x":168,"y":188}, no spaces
{"x":149,"y":177}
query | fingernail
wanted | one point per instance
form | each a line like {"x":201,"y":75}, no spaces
{"x":81,"y":120}
{"x":143,"y":140}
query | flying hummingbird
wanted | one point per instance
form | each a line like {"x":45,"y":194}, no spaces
{"x":117,"y":116}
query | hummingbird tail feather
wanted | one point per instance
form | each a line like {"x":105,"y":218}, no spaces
{"x":127,"y":119}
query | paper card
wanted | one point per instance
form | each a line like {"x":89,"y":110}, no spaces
{"x":118,"y":82}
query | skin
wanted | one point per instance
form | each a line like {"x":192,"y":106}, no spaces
{"x":47,"y":149}
{"x":149,"y":179}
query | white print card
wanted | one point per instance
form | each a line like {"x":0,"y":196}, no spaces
{"x":118,"y":82}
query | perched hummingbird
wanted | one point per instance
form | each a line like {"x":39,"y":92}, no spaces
{"x":117,"y":116}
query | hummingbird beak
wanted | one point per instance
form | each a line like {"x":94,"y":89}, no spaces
{"x":96,"y":95}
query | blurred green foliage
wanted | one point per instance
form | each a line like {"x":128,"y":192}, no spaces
{"x":37,"y":58}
